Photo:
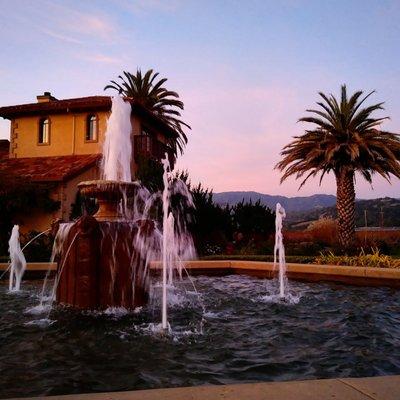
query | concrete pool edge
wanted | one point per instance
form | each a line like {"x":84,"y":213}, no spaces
{"x":375,"y":388}
{"x":363,"y":276}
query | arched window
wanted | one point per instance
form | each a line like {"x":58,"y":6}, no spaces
{"x":91,"y":128}
{"x":44,"y":131}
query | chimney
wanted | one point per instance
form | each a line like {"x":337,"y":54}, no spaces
{"x":45,"y":97}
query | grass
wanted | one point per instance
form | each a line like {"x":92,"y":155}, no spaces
{"x":376,"y":259}
{"x":265,"y":257}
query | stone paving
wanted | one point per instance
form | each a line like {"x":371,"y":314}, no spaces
{"x":377,"y":388}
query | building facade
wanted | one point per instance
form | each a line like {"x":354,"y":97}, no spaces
{"x":59,"y":142}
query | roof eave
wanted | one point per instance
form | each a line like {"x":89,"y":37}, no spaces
{"x":100,"y":103}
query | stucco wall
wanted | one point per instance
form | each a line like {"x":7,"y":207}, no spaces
{"x":67,"y":136}
{"x":64,"y":192}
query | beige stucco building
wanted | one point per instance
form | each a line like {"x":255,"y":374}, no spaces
{"x":59,"y":143}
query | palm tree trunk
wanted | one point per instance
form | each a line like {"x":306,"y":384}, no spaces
{"x":345,"y":206}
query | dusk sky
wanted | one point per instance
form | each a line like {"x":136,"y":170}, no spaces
{"x":246,"y":70}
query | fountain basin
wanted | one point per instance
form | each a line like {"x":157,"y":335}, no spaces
{"x":108,"y":195}
{"x":333,"y":331}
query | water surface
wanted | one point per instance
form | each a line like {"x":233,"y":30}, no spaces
{"x":333,"y":331}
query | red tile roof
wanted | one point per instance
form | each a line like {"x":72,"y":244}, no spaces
{"x":48,"y":169}
{"x":84,"y":104}
{"x":91,"y":103}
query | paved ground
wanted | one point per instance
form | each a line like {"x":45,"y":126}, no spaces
{"x":378,"y":388}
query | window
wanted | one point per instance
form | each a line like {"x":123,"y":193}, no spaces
{"x":44,"y":131}
{"x":146,"y":143}
{"x":91,"y":128}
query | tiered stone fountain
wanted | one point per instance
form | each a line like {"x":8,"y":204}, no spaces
{"x":100,"y":266}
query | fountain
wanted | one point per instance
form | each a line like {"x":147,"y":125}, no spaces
{"x":104,"y":259}
{"x":279,"y":250}
{"x":177,"y":243}
{"x":98,"y":264}
{"x":17,"y":260}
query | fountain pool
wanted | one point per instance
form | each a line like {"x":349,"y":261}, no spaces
{"x":333,"y":331}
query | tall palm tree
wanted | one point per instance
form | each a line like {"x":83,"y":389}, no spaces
{"x":345,"y":139}
{"x":151,"y":93}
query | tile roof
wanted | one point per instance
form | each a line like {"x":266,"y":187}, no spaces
{"x":47,"y":169}
{"x":83,"y":104}
{"x":91,"y":103}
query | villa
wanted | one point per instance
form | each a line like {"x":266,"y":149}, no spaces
{"x":59,"y":143}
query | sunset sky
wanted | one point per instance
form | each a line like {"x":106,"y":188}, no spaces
{"x":246,"y":70}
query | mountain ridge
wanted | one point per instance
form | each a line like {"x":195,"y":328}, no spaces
{"x":295,"y":203}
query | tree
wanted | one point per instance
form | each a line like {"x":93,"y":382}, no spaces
{"x":253,"y":220}
{"x":150,"y":173}
{"x":151,"y":93}
{"x":346,"y":140}
{"x":209,"y":223}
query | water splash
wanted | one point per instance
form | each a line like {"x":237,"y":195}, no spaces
{"x":177,"y":243}
{"x":279,"y":250}
{"x":25,"y":246}
{"x":46,"y":298}
{"x":117,"y":147}
{"x":165,"y":198}
{"x":18,"y":262}
{"x":36,"y":237}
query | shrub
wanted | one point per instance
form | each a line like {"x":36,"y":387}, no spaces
{"x":253,"y":219}
{"x":388,"y":241}
{"x":255,"y":257}
{"x":296,"y":237}
{"x":374,"y":259}
{"x":324,"y":231}
{"x":300,"y":243}
{"x":303,"y":249}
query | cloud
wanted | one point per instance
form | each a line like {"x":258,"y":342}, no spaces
{"x":145,"y":6}
{"x":100,"y":58}
{"x":61,"y":37}
{"x":61,"y":22}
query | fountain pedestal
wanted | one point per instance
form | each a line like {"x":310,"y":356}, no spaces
{"x":100,"y":265}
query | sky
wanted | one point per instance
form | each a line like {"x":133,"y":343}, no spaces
{"x":246,"y":70}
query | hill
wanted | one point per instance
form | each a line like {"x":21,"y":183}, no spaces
{"x":291,"y":204}
{"x":374,"y":212}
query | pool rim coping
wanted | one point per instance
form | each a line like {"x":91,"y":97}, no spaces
{"x":365,"y":276}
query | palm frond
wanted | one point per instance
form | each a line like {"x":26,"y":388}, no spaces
{"x":346,"y":138}
{"x":149,"y":91}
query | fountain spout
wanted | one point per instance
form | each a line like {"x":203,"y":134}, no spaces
{"x":18,"y":262}
{"x":279,"y":249}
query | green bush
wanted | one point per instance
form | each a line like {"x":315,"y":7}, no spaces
{"x":374,"y":259}
{"x":256,"y":257}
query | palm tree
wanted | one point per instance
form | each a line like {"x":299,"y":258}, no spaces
{"x":151,"y":93}
{"x":346,"y":139}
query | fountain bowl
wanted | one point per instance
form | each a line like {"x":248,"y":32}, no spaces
{"x":108,"y":195}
